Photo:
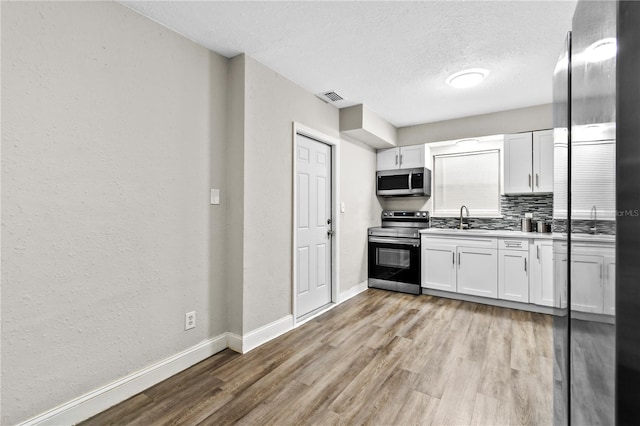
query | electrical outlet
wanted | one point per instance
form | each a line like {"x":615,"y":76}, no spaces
{"x":190,"y":320}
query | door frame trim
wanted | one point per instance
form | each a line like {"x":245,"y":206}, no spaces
{"x":334,"y":143}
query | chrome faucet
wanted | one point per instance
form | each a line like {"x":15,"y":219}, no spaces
{"x":594,"y":216}
{"x":461,"y":222}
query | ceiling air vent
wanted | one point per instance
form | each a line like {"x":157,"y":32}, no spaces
{"x":330,"y":97}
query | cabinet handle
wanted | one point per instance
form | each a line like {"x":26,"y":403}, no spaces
{"x":401,"y":159}
{"x":538,"y":252}
{"x":453,"y":258}
{"x":525,"y":264}
{"x":529,"y":180}
{"x":537,"y":181}
{"x":600,"y":272}
{"x":396,"y":159}
{"x":459,"y":263}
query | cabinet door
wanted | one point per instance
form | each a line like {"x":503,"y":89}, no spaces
{"x":388,"y":159}
{"x":517,"y":163}
{"x":412,"y":156}
{"x":513,"y":275}
{"x":560,"y":274}
{"x":609,"y":306}
{"x":586,"y":283}
{"x":549,"y":294}
{"x":478,"y":271}
{"x":439,"y":267}
{"x":543,"y":161}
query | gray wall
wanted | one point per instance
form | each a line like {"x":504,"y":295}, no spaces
{"x":362,"y":210}
{"x":512,"y":121}
{"x":113,"y":131}
{"x":235,"y":197}
{"x":273,"y":103}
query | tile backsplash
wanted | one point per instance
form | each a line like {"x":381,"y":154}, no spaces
{"x":512,"y":207}
{"x":582,"y":226}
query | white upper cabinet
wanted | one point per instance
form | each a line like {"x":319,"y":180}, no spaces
{"x":517,"y":163}
{"x":412,"y":157}
{"x":543,"y":161}
{"x":528,"y":162}
{"x":402,"y":157}
{"x":388,"y":159}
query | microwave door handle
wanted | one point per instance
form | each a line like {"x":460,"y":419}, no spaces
{"x":410,"y":173}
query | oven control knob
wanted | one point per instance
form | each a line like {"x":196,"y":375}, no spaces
{"x":384,"y":214}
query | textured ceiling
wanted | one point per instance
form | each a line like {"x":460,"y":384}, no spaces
{"x":392,"y":56}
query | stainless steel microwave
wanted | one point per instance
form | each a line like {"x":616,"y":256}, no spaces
{"x":404,"y":183}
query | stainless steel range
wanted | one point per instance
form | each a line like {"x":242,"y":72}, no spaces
{"x":394,"y":251}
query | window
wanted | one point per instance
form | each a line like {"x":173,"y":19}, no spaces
{"x":469,"y":178}
{"x":593,"y":179}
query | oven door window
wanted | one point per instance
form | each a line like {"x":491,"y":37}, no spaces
{"x":394,"y":262}
{"x":393,"y":258}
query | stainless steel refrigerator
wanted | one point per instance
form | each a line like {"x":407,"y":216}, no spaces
{"x":597,"y":205}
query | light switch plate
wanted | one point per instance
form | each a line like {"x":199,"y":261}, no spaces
{"x":215,"y":196}
{"x":529,"y":215}
{"x":342,"y":207}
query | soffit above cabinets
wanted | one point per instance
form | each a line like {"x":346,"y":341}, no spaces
{"x":392,"y":56}
{"x":359,"y":123}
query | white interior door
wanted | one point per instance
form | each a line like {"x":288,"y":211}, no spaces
{"x":313,"y":214}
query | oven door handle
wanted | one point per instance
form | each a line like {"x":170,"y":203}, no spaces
{"x":410,"y":188}
{"x":399,"y":241}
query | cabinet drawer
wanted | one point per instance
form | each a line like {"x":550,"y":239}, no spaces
{"x":471,"y":241}
{"x":513,"y":244}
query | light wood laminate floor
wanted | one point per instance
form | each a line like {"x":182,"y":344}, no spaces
{"x":380,"y":358}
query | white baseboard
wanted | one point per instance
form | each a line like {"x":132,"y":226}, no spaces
{"x":262,"y":335}
{"x":107,"y":396}
{"x":234,"y":342}
{"x":259,"y":336}
{"x":353,"y":291}
{"x":94,"y":402}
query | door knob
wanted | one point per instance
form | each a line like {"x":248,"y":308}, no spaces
{"x":330,"y":233}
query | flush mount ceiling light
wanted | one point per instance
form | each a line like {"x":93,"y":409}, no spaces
{"x":467,"y":78}
{"x":602,"y":50}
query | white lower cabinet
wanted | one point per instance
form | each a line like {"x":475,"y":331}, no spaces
{"x":609,"y":305}
{"x":459,"y":265}
{"x":586,"y":283}
{"x":593,"y":278}
{"x":524,"y":270}
{"x":543,"y":289}
{"x":560,"y":270}
{"x":439,"y":267}
{"x":477,"y":271}
{"x":513,"y":275}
